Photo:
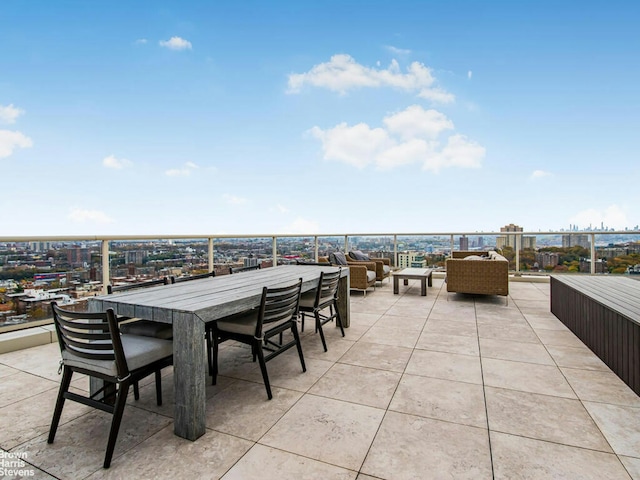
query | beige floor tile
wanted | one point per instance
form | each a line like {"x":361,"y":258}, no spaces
{"x":244,"y":410}
{"x":451,"y":327}
{"x":597,"y":386}
{"x":411,"y":447}
{"x":409,"y":322}
{"x":562,"y":338}
{"x":166,"y":456}
{"x":440,"y":342}
{"x":331,"y":431}
{"x":619,"y":424}
{"x":525,"y":458}
{"x":359,"y":318}
{"x":545,"y":321}
{"x":365,"y":386}
{"x":447,"y":366}
{"x":447,"y":400}
{"x":80,"y":445}
{"x":374,"y":355}
{"x":31,"y":417}
{"x":336,"y":345}
{"x":270,"y":464}
{"x":43,"y":360}
{"x":391,"y":336}
{"x":512,"y":333}
{"x":632,"y":465}
{"x":554,"y":419}
{"x":6,"y":370}
{"x":20,"y":386}
{"x":576,"y":357}
{"x":526,"y":377}
{"x":515,"y":351}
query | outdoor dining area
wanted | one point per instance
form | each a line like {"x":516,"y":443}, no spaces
{"x":380,"y":385}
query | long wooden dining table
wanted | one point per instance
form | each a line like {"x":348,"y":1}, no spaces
{"x":188,"y":306}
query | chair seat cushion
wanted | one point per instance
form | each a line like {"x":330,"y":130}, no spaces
{"x":138,"y":350}
{"x":386,"y":269}
{"x":371,"y":276}
{"x":308,"y":299}
{"x":147,"y":328}
{"x":245,"y":324}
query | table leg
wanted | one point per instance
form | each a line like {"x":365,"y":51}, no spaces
{"x":406,"y":281}
{"x":189,"y":376}
{"x":423,"y":286}
{"x":395,"y":285}
{"x":430,"y":277}
{"x":344,"y":300}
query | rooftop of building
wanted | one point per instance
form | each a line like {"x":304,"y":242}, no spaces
{"x":442,"y":386}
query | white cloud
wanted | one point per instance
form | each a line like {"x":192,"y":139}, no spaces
{"x":234,"y":200}
{"x":415,"y":121}
{"x":9,"y":114}
{"x":182,"y":172}
{"x":355,"y":145}
{"x":80,"y":215}
{"x":342,"y":73}
{"x":411,"y":136}
{"x":117,"y":163}
{"x":398,"y":51}
{"x":538,"y":174}
{"x":611,"y":216}
{"x":141,"y":41}
{"x":9,"y":141}
{"x":458,"y":152}
{"x":469,"y":74}
{"x":176,"y":43}
{"x":280,"y":209}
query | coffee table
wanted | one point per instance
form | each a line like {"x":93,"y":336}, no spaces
{"x":422,"y":274}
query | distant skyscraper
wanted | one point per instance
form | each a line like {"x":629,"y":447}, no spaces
{"x":464,"y":243}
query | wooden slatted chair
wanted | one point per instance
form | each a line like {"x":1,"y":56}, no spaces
{"x":91,"y":344}
{"x":278,"y":312}
{"x":324,"y":296}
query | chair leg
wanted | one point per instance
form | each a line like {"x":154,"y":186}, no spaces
{"x":319,"y":329}
{"x":118,"y":410}
{"x":136,"y":391}
{"x":263,"y":367}
{"x":339,"y":320}
{"x":158,"y":388}
{"x":296,"y":336}
{"x":302,"y":321}
{"x":214,"y":358}
{"x":208,"y":334}
{"x":57,"y":412}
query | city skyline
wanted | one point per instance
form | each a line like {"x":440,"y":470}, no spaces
{"x":227,"y":118}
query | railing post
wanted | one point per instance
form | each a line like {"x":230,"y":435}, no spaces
{"x":593,"y":253}
{"x":315,"y":239}
{"x":210,"y":261}
{"x":518,"y":245}
{"x":346,"y":244}
{"x":395,"y":251}
{"x":104,"y":247}
{"x":274,"y":252}
{"x":452,"y":244}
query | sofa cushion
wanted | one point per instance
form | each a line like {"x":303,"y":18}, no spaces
{"x":358,"y":255}
{"x":386,"y":269}
{"x":371,"y":276}
{"x":338,"y":258}
{"x":474,"y":257}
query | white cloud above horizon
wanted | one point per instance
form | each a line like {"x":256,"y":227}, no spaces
{"x":411,"y":136}
{"x":116,"y":163}
{"x":398,"y":51}
{"x":342,"y":73}
{"x":11,"y":140}
{"x":234,"y":199}
{"x":185,"y":171}
{"x":9,"y":113}
{"x":611,"y":216}
{"x":176,"y":43}
{"x":82,"y":215}
{"x":538,"y":174}
{"x":303,"y":226}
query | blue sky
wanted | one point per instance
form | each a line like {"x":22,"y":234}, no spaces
{"x":157,"y":117}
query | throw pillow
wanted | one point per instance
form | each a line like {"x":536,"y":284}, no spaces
{"x":358,"y":255}
{"x":338,"y":258}
{"x":473,"y":257}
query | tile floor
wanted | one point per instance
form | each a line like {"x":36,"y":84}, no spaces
{"x":443,"y":386}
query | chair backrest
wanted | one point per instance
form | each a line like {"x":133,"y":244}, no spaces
{"x":93,"y":336}
{"x":310,"y":262}
{"x":327,"y":286}
{"x":278,"y":304}
{"x":243,"y":269}
{"x":131,"y":286}
{"x":192,"y":277}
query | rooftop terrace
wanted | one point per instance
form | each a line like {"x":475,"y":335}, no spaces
{"x":443,"y":386}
